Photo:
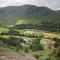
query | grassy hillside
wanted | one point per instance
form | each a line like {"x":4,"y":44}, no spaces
{"x":27,"y":14}
{"x":29,"y":29}
{"x":30,"y":17}
{"x":41,"y":44}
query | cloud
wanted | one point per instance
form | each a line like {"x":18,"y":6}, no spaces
{"x":53,"y":4}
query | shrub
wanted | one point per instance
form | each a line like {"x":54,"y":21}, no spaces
{"x":26,"y":48}
{"x":14,"y":41}
{"x":36,"y":55}
{"x":36,"y":45}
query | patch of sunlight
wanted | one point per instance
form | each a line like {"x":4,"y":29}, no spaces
{"x":21,"y":21}
{"x":29,"y":32}
{"x":3,"y":29}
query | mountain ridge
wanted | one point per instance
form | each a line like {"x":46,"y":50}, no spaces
{"x":10,"y":14}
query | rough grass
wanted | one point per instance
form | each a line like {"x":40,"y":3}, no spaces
{"x":3,"y":29}
{"x":1,"y":58}
{"x":37,"y":54}
{"x":27,"y":32}
{"x":42,"y":54}
{"x":39,"y":33}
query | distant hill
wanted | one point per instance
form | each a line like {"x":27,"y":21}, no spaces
{"x":27,"y":14}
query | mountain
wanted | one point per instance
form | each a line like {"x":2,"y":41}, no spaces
{"x":27,"y":14}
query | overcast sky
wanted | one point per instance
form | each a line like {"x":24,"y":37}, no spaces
{"x":53,"y":4}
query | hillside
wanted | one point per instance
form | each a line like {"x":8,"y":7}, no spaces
{"x":29,"y":32}
{"x":27,"y":14}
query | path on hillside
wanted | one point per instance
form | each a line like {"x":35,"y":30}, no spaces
{"x":15,"y":56}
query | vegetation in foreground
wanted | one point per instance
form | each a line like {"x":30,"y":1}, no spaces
{"x":41,"y":44}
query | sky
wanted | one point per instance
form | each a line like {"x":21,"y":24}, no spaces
{"x":53,"y":4}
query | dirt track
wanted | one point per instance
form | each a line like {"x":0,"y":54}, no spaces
{"x":15,"y":56}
